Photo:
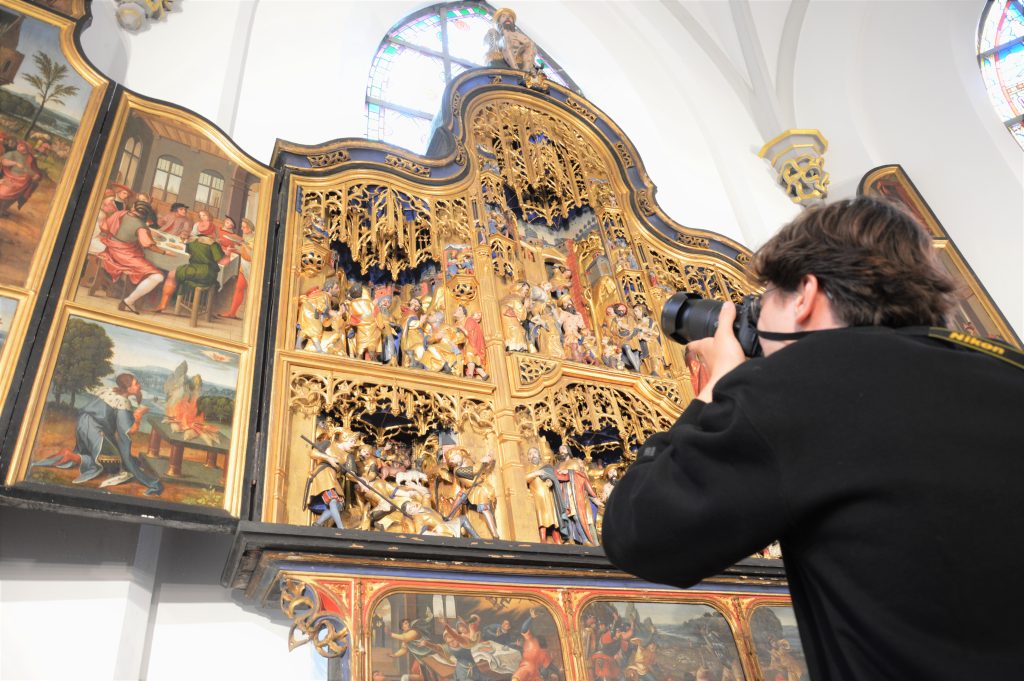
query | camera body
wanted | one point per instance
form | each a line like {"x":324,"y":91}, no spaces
{"x":687,"y":317}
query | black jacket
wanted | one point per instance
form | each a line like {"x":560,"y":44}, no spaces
{"x":890,"y":467}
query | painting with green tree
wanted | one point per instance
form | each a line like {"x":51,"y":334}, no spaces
{"x":137,"y":413}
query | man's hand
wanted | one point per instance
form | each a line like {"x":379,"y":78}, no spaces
{"x":720,"y":353}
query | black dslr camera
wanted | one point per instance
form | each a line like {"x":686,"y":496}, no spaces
{"x":687,"y":317}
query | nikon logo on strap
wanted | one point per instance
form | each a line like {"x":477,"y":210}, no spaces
{"x":991,"y":348}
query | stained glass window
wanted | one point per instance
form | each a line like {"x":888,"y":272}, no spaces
{"x":415,"y":62}
{"x":1001,"y":57}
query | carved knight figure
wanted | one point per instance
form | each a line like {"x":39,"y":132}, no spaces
{"x":474,"y":488}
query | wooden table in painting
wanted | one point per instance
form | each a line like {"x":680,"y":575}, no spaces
{"x":162,"y":432}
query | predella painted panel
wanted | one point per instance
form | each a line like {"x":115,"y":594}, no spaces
{"x":657,"y":642}
{"x":450,"y":636}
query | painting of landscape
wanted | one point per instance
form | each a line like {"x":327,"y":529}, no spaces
{"x":139,"y":414}
{"x":657,"y":642}
{"x":777,"y":643}
{"x":42,"y":102}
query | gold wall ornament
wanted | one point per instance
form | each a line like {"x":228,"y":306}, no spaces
{"x":406,"y":164}
{"x":330,"y":159}
{"x":422,"y":409}
{"x":623,"y":151}
{"x":580,"y":108}
{"x":694,"y":241}
{"x":327,"y":631}
{"x":532,"y":369}
{"x":797,"y":156}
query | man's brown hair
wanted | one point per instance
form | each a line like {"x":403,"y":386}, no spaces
{"x":876,"y":264}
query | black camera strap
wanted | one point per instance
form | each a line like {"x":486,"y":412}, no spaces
{"x":992,"y":348}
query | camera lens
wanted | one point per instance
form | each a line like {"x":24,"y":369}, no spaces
{"x":687,"y":317}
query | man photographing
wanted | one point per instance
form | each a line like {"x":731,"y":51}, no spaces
{"x":887,"y":463}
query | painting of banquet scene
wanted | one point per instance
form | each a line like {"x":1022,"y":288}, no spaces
{"x":657,"y":642}
{"x":42,"y":102}
{"x":450,"y":637}
{"x":174,"y":236}
{"x":134,"y":413}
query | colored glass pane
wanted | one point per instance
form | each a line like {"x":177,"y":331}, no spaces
{"x":410,"y":132}
{"x":414,"y":80}
{"x":990,"y":75}
{"x":466,"y":37}
{"x":1011,"y":26}
{"x":990,"y":25}
{"x":424,"y":32}
{"x":1009,"y":66}
{"x":1018,"y":132}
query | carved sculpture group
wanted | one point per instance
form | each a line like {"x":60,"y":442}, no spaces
{"x":418,"y":489}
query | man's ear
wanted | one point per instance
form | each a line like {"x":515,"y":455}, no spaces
{"x":807,"y":299}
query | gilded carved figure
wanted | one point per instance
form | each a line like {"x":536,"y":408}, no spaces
{"x":546,"y":492}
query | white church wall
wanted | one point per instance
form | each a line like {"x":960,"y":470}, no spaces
{"x":65,"y":592}
{"x":900,"y":84}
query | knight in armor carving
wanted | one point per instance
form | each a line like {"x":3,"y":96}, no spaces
{"x":334,"y":457}
{"x":475,"y":491}
{"x":513,"y":315}
{"x":511,"y":44}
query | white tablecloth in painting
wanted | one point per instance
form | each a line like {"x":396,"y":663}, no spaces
{"x":176,"y":257}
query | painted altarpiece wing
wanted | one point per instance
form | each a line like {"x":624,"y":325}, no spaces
{"x":477,"y":356}
{"x":158,"y":322}
{"x":49,"y":100}
{"x":976,"y":313}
